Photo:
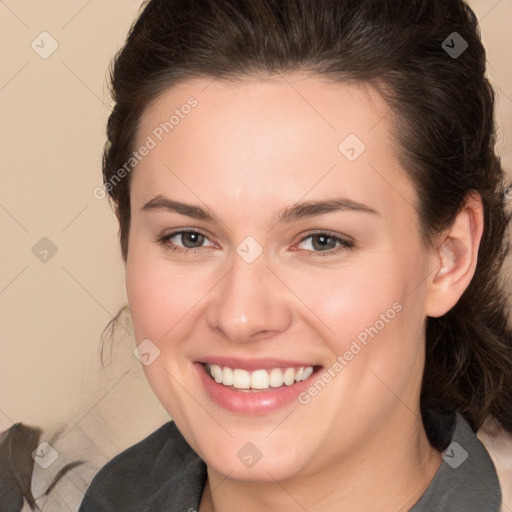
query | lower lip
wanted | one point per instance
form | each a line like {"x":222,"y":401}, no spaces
{"x":251,"y":403}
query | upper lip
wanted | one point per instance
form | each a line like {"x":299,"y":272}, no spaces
{"x":254,"y":363}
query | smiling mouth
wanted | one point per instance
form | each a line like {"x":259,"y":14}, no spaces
{"x":258,"y":380}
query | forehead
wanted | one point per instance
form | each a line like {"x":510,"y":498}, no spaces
{"x":293,"y":104}
{"x":286,"y":134}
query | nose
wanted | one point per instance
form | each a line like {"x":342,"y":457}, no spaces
{"x":249,"y":303}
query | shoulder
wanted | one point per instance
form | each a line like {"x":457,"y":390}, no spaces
{"x":499,"y":445}
{"x":466,"y":480}
{"x":132,"y":478}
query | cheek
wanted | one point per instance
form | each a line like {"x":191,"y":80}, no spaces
{"x":160,"y":297}
{"x":343,"y":302}
{"x":371,"y":316}
{"x":161,"y":304}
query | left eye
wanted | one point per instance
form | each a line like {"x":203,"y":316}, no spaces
{"x":326,"y":243}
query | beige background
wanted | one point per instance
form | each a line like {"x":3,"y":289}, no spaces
{"x":54,"y":112}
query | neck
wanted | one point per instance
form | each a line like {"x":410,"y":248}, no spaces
{"x":390,"y":473}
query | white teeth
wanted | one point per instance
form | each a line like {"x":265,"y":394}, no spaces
{"x":307,"y":373}
{"x":241,"y":379}
{"x":276,"y":378}
{"x":289,"y":376}
{"x":216,"y":372}
{"x":259,"y":379}
{"x":227,"y":376}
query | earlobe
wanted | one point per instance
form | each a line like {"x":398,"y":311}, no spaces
{"x":454,"y":260}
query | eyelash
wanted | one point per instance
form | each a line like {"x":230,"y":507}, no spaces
{"x":344,"y":243}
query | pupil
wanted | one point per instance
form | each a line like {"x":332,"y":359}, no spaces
{"x":323,"y":240}
{"x":189,"y":237}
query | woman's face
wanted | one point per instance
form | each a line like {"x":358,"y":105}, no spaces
{"x":305,"y":252}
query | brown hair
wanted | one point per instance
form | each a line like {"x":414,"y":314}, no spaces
{"x":443,"y":111}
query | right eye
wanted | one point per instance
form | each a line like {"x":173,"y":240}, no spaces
{"x":190,"y":240}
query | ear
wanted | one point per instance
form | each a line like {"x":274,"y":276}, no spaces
{"x":453,"y":262}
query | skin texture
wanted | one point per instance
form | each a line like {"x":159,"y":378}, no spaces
{"x":246,"y":151}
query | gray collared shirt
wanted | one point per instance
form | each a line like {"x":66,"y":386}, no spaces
{"x":163,"y":473}
{"x":466,"y":480}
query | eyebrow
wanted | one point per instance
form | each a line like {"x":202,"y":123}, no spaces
{"x":290,"y":214}
{"x":163,"y":203}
